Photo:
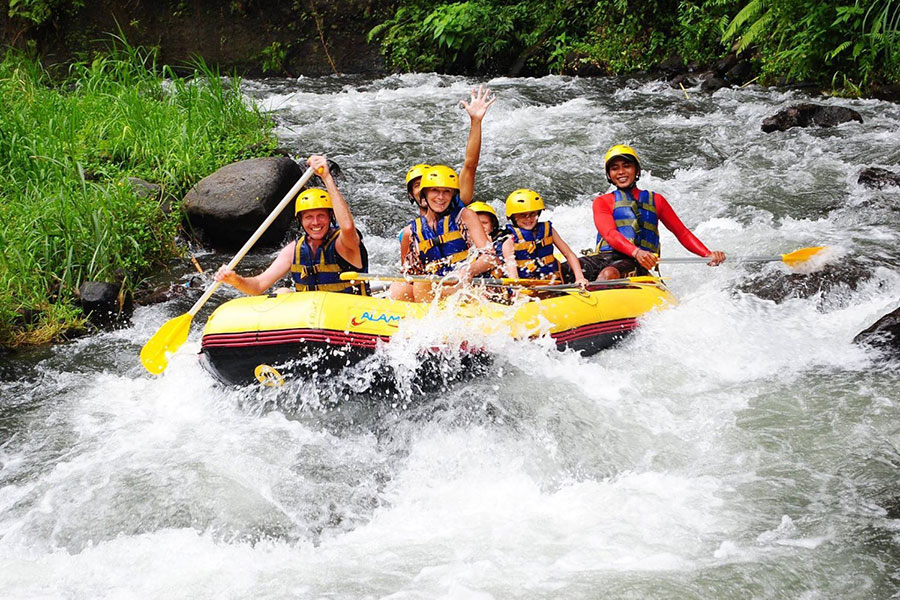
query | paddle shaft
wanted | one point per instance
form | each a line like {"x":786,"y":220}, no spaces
{"x":254,"y":238}
{"x":701,"y":259}
{"x":452,"y":280}
{"x":561,"y":287}
{"x":794,"y":258}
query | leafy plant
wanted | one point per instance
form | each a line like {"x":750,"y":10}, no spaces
{"x":273,"y":57}
{"x":822,"y":41}
{"x":67,"y":149}
{"x":38,"y":11}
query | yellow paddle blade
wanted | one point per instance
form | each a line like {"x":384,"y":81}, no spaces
{"x":167,"y":340}
{"x":800,"y":256}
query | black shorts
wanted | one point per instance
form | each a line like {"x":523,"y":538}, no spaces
{"x":592,"y":265}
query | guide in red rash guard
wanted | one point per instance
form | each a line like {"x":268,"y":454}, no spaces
{"x":632,"y":246}
{"x":606,"y":224}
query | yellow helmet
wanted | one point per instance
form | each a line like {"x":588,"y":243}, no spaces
{"x":416,"y":171}
{"x":439,"y":176}
{"x":622,"y":151}
{"x":312,"y":198}
{"x":484,"y":207}
{"x":523,"y":201}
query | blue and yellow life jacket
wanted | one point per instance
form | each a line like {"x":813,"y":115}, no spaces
{"x":636,"y":220}
{"x":534,"y":251}
{"x":322,"y":270}
{"x":441,"y":248}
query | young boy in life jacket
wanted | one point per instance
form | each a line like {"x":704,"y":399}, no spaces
{"x":490,"y":223}
{"x":479,"y":102}
{"x":328,"y":245}
{"x":528,"y":251}
{"x":627,"y":222}
{"x":443,"y":236}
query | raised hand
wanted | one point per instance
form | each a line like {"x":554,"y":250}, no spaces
{"x":479,"y":101}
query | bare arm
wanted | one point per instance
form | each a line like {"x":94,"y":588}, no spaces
{"x":348,"y":241}
{"x":571,"y":258}
{"x":258,"y":284}
{"x":485,"y":259}
{"x":405,"y":238}
{"x":509,"y":258}
{"x":477,"y":106}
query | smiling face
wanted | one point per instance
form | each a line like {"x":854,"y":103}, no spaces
{"x":622,"y":172}
{"x":439,"y":198}
{"x":315,"y":222}
{"x":527,"y":220}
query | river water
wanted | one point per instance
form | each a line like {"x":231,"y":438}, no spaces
{"x":736,"y":446}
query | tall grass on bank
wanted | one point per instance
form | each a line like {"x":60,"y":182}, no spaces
{"x":67,"y":148}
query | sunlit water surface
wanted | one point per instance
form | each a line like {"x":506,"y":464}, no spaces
{"x":734,"y":447}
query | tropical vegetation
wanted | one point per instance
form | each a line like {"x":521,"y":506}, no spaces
{"x":69,"y":144}
{"x":843,"y":44}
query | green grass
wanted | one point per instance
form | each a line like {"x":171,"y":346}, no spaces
{"x":68,"y":145}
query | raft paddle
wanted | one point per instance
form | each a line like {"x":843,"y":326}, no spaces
{"x":792,"y":259}
{"x":174,"y":332}
{"x":450,"y":280}
{"x":595,"y":285}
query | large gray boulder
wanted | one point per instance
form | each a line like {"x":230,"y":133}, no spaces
{"x":225,"y":208}
{"x":808,"y":115}
{"x":884,"y":334}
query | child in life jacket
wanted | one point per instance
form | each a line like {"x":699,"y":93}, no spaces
{"x":490,"y":222}
{"x":528,"y":251}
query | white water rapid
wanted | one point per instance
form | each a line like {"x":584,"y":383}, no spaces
{"x":738,"y":445}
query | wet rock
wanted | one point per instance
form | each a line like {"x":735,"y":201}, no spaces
{"x":577,"y":63}
{"x":672,"y":65}
{"x":875,"y":177}
{"x":682,"y":79}
{"x":229,"y":205}
{"x":883,"y":334}
{"x":105,"y":304}
{"x":739,"y":73}
{"x":806,"y":115}
{"x":158,"y":295}
{"x":892,"y":507}
{"x":780,"y":286}
{"x":711,"y":84}
{"x":726,"y":63}
{"x":891,"y":93}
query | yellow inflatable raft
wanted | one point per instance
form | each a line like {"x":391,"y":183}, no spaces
{"x":260,"y":337}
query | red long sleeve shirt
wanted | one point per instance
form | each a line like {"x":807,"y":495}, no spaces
{"x":606,"y":224}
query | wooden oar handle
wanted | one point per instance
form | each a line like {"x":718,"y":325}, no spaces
{"x":253,"y":238}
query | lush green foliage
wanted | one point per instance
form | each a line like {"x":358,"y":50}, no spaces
{"x":39,"y":11}
{"x":67,"y":148}
{"x":555,"y":36}
{"x":849,"y":43}
{"x":853,"y":45}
